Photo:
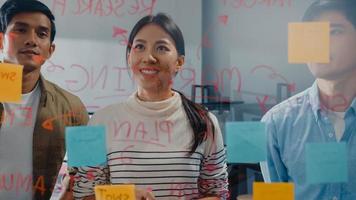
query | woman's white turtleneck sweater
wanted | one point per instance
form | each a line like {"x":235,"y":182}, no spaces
{"x":148,"y":145}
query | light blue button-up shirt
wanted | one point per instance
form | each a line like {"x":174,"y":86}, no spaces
{"x":290,"y":126}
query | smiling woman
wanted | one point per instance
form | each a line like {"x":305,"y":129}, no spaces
{"x":154,"y":61}
{"x":190,"y":161}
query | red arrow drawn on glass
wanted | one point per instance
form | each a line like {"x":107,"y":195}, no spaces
{"x":66,"y":118}
{"x":120,"y":32}
{"x":274,"y":75}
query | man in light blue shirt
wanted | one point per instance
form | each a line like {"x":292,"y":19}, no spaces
{"x":325,"y":112}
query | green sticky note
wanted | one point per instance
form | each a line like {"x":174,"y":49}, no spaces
{"x":246,"y":142}
{"x":326,"y":162}
{"x":86,"y":145}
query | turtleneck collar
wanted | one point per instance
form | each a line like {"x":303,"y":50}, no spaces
{"x":157,"y":108}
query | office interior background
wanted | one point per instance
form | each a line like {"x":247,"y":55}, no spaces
{"x":236,"y":57}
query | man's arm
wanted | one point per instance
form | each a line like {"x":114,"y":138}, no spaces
{"x":273,"y":170}
{"x":81,"y":117}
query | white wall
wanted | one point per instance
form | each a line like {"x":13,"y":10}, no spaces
{"x":255,"y":41}
{"x":90,"y":62}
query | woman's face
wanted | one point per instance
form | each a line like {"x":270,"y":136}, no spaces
{"x":154,"y":59}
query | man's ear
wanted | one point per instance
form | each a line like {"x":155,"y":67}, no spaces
{"x":180,"y":62}
{"x":51,"y":50}
{"x":127,"y":58}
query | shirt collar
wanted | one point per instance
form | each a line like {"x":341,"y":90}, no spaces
{"x":315,"y":101}
{"x":352,"y":106}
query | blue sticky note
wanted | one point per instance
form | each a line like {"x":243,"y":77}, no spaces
{"x":86,"y":145}
{"x":246,"y":142}
{"x":326,"y":162}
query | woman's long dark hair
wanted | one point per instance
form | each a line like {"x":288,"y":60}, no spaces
{"x":198,"y":115}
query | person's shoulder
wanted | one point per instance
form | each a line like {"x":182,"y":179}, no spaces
{"x":288,"y":107}
{"x":60,"y":94}
{"x":213,"y":117}
{"x":64,"y":101}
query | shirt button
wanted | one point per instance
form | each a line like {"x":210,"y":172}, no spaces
{"x":334,"y":198}
{"x":331,"y":135}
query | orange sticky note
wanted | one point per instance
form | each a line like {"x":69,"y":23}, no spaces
{"x":273,"y":191}
{"x":10,"y":82}
{"x":104,"y":192}
{"x":309,"y":42}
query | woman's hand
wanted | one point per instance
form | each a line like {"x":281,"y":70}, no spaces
{"x":144,"y":194}
{"x":92,"y":197}
{"x":210,"y":198}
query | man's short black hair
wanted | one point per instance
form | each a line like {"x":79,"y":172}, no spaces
{"x":346,"y":7}
{"x":12,"y":7}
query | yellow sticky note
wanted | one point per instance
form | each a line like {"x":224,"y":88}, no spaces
{"x":104,"y":192}
{"x":309,"y":42}
{"x":10,"y":82}
{"x":273,"y":191}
